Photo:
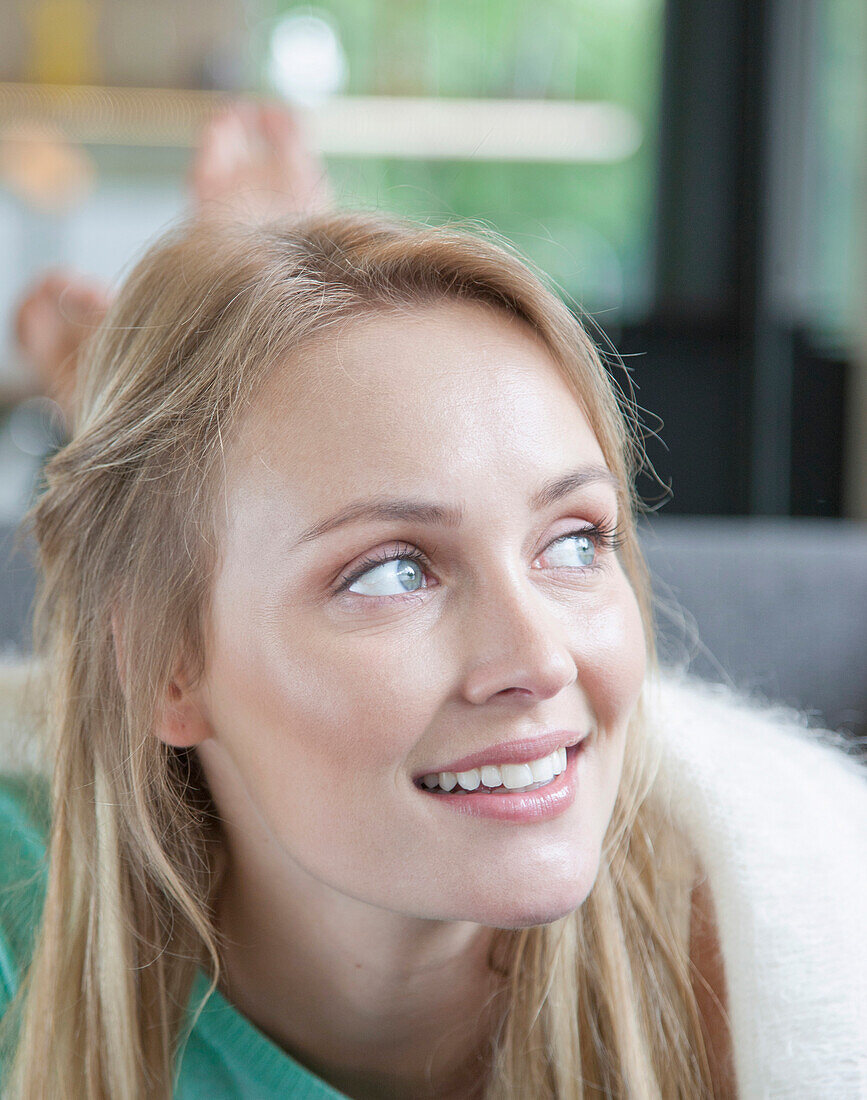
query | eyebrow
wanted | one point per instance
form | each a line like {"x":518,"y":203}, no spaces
{"x":450,"y":515}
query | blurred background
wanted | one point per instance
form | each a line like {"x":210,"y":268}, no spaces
{"x":692,"y":174}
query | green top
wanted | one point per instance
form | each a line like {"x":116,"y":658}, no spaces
{"x":226,"y":1056}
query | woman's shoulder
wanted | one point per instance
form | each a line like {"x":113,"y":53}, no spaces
{"x":776,"y":812}
{"x":25,"y":816}
{"x":24,"y":826}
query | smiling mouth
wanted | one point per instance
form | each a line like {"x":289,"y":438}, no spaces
{"x":461,"y":783}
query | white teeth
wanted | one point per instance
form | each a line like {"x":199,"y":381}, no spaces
{"x":491,"y":776}
{"x":469,"y":780}
{"x":543,"y":769}
{"x":511,"y":776}
{"x":516,"y":775}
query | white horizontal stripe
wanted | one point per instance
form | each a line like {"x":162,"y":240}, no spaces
{"x":587,"y":132}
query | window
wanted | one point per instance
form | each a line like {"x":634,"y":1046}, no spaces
{"x":536,"y":119}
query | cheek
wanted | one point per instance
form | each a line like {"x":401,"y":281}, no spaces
{"x":322,"y":706}
{"x":612,"y":657}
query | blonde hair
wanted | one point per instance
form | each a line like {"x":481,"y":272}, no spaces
{"x":599,"y":1003}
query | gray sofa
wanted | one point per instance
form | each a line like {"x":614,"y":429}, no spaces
{"x":777,"y":607}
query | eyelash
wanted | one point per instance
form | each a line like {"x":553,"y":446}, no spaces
{"x":606,"y":536}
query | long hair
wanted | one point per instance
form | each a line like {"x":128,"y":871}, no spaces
{"x":598,"y":1003}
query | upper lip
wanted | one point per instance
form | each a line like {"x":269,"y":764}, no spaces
{"x":511,"y":752}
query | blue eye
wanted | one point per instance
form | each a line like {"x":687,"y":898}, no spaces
{"x":402,"y":571}
{"x":577,"y":549}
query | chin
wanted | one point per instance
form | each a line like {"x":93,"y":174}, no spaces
{"x":516,"y":921}
{"x":534,"y":907}
{"x":535,"y":913}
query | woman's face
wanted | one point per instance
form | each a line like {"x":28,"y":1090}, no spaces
{"x":325,"y":701}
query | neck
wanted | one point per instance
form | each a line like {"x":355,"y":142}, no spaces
{"x":374,"y":1002}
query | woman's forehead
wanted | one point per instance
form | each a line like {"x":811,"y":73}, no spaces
{"x":456,"y":409}
{"x":428,"y":385}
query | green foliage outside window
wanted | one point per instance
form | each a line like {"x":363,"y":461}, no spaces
{"x":836,"y":273}
{"x":588,"y":225}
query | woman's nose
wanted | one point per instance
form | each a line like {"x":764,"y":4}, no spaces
{"x":514,"y":645}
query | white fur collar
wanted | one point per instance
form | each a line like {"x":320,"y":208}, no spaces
{"x":778,"y":816}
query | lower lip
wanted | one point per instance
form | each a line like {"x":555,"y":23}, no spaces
{"x":539,"y":805}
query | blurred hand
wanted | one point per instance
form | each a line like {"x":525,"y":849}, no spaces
{"x":253,"y":163}
{"x":51,"y":322}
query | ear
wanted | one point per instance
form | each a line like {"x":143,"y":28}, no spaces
{"x":180,"y":720}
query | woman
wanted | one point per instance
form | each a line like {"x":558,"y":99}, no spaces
{"x":348,"y":522}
